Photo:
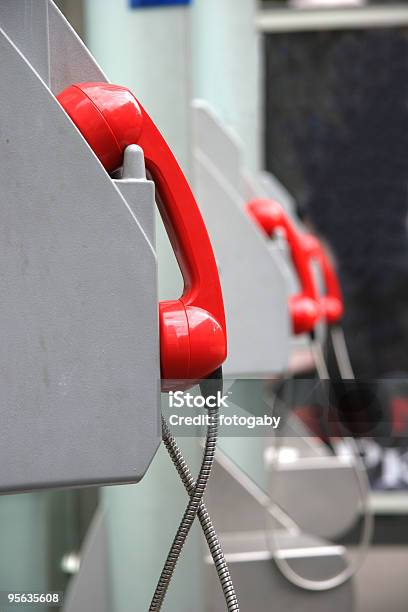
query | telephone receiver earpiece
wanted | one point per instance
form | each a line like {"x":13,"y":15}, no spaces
{"x":304,"y":307}
{"x":193,"y":340}
{"x":332,"y":300}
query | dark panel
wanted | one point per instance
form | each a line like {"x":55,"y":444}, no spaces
{"x":337,"y":136}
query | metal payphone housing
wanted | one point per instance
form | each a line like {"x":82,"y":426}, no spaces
{"x":254,"y":287}
{"x":80,"y":375}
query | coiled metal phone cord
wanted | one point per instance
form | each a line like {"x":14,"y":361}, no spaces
{"x":364,"y":490}
{"x":214,"y":545}
{"x":193,"y":505}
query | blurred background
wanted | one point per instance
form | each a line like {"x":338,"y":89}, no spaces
{"x":316,"y":93}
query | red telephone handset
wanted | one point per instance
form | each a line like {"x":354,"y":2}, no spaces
{"x":332,"y":300}
{"x":304,"y":307}
{"x":193,"y":340}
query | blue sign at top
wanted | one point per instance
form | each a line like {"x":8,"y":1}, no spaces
{"x":142,"y":3}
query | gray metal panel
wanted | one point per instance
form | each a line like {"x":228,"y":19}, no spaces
{"x":89,"y":589}
{"x":254,"y":291}
{"x":330,"y":488}
{"x":254,"y":288}
{"x":259,"y":583}
{"x":217,"y":142}
{"x":26,"y":23}
{"x":79,"y":357}
{"x":45,"y":38}
{"x":261,"y":587}
{"x":70,"y":60}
